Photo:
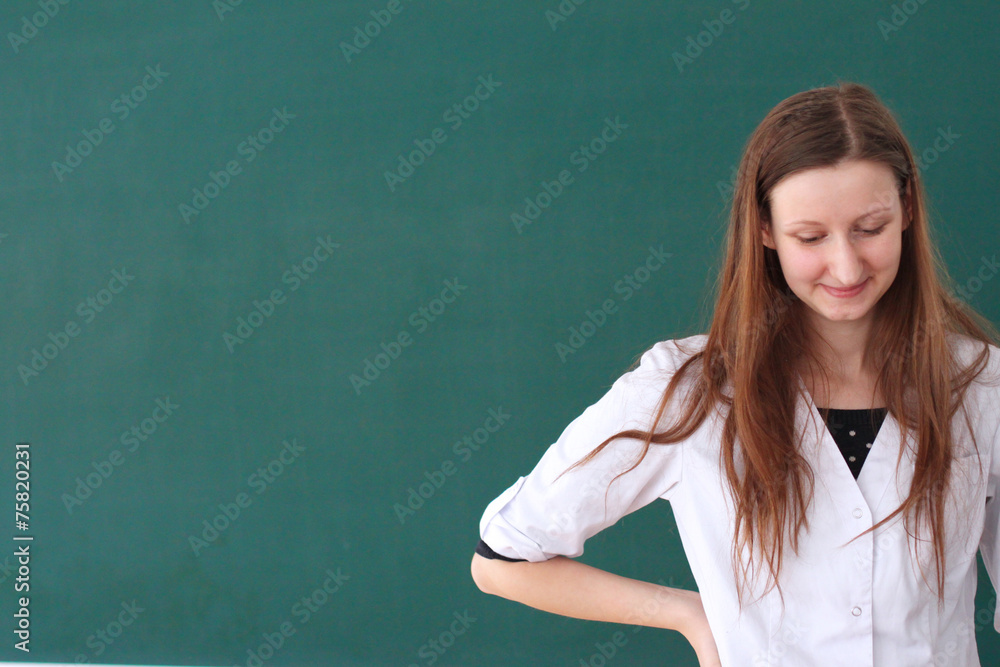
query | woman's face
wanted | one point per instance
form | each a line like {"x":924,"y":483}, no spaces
{"x":838,"y":234}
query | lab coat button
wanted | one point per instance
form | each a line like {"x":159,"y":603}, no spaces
{"x":856,"y":611}
{"x":858,"y":513}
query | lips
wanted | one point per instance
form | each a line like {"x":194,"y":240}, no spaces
{"x":846,"y":293}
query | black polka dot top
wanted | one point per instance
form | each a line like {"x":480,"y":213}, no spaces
{"x":854,"y":432}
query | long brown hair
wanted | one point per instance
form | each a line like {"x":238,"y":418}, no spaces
{"x":758,"y":338}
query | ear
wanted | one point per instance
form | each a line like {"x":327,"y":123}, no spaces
{"x":765,"y":233}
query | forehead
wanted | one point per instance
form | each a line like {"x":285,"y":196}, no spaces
{"x":839,"y":193}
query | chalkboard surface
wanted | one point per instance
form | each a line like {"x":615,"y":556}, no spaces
{"x":292,"y":290}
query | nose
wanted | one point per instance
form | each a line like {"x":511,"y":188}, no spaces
{"x":845,"y":264}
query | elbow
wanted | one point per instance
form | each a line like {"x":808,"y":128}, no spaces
{"x":481,"y":568}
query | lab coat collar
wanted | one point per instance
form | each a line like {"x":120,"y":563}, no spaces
{"x":829,"y":466}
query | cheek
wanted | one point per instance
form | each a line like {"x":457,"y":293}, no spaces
{"x":886,"y":256}
{"x":799,"y":265}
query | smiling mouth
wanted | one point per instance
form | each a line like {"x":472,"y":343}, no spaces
{"x":846,"y":293}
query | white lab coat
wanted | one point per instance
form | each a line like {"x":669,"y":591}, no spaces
{"x":857,"y":604}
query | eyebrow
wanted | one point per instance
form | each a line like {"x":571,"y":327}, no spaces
{"x":870,"y":214}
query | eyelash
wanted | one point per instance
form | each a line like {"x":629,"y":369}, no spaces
{"x":867,"y":232}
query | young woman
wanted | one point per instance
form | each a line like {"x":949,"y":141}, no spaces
{"x":827,"y":447}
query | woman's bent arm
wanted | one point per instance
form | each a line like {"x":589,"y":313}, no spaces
{"x":570,"y":588}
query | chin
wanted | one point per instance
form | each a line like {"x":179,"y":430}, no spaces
{"x":842,"y":314}
{"x":845,"y":316}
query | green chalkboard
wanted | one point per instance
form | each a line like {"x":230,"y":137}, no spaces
{"x":290,"y":291}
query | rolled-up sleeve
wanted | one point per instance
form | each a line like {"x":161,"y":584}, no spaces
{"x":548,"y":513}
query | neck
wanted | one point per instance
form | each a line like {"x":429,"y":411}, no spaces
{"x":841,"y":346}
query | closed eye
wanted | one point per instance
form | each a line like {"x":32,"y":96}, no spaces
{"x":866,"y":232}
